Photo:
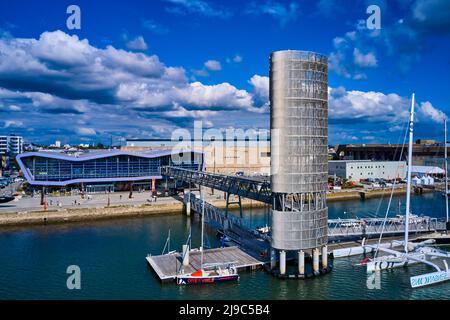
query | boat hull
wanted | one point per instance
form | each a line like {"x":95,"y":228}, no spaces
{"x":391,"y":263}
{"x":189,"y":280}
{"x":429,"y":279}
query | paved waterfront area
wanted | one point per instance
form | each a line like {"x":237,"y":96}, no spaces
{"x":96,"y":200}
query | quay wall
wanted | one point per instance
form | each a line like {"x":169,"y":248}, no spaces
{"x":176,"y":207}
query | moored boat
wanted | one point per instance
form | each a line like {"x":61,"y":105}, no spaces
{"x":205,"y":276}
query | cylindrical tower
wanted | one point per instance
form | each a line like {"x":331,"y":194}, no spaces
{"x":299,"y":149}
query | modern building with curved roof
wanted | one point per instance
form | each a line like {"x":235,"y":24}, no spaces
{"x":59,"y":169}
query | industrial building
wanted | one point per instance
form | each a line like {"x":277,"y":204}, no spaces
{"x":357,"y":170}
{"x":425,"y":152}
{"x":247,"y":155}
{"x":101,"y":170}
{"x":299,"y":154}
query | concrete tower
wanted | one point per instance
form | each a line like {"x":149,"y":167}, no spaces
{"x":299,"y":155}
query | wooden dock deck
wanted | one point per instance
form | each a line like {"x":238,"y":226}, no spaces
{"x":167,"y":266}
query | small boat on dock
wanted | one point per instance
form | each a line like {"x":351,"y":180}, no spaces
{"x":210,"y":273}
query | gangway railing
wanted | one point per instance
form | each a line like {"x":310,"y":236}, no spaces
{"x":374,"y":226}
{"x":214,"y":214}
{"x":244,"y":187}
{"x":338,"y":229}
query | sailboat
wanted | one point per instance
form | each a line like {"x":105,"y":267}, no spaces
{"x":412,"y":253}
{"x":209,"y":272}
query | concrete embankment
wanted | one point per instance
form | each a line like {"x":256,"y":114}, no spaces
{"x":175,"y":207}
{"x":100,"y":213}
{"x":369,"y":194}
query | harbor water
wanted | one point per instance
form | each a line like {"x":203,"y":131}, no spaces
{"x":111,"y":256}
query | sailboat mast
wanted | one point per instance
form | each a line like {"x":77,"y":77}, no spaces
{"x":446,"y":169}
{"x":408,"y":183}
{"x":203,"y":226}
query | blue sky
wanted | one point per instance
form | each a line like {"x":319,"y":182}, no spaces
{"x":141,"y":69}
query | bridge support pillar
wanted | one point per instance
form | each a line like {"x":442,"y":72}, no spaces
{"x":239,"y":202}
{"x":282,"y":262}
{"x":301,"y":262}
{"x":316,"y":261}
{"x":273,"y":259}
{"x":42,"y":196}
{"x":166,"y":189}
{"x":324,"y":257}
{"x":188,"y":207}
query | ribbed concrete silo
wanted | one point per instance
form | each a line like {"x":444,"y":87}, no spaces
{"x":299,"y":155}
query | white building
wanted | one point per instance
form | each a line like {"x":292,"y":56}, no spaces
{"x":12,"y":145}
{"x":356,"y":170}
{"x":3,"y":145}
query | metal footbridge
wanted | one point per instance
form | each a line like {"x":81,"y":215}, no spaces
{"x":259,"y":190}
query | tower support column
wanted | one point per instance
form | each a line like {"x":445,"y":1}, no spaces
{"x":282,"y":262}
{"x":316,"y":261}
{"x":324,"y":257}
{"x":301,"y":262}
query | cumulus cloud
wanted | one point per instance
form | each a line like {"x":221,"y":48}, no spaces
{"x":428,"y":111}
{"x":364,"y":60}
{"x":348,"y":59}
{"x":137,"y":44}
{"x":377,"y":107}
{"x":101,"y":88}
{"x":283,"y":12}
{"x":213,"y":65}
{"x":60,"y":85}
{"x":86,"y":131}
{"x":12,"y":124}
{"x":405,"y":36}
{"x":236,"y":59}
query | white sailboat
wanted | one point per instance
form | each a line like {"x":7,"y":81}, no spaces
{"x":412,"y":253}
{"x":208,"y":272}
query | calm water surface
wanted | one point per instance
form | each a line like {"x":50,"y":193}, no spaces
{"x":111,"y":256}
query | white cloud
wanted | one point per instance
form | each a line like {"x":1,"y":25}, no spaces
{"x":364,"y":60}
{"x":237,"y":59}
{"x":137,"y":44}
{"x":284,"y":13}
{"x":260,"y":88}
{"x":428,"y":111}
{"x":14,"y":107}
{"x":213,"y":65}
{"x":12,"y":124}
{"x":358,"y":106}
{"x":197,"y":6}
{"x":86,"y":131}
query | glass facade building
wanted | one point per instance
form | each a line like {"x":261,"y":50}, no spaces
{"x":47,"y":168}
